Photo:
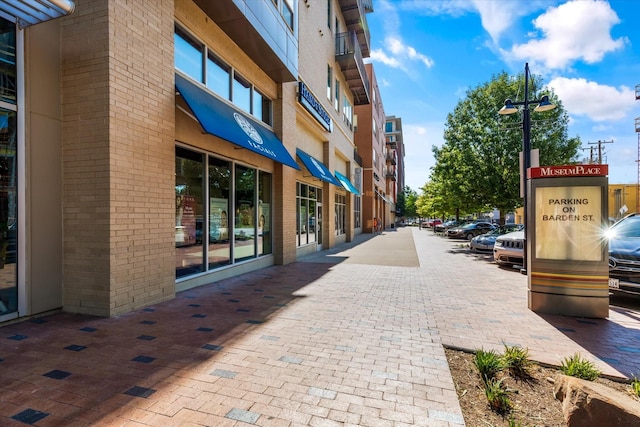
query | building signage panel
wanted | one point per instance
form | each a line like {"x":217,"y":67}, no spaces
{"x":568,"y":171}
{"x":312,"y":105}
{"x":568,"y":223}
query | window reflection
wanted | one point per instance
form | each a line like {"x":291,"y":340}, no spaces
{"x":189,"y":213}
{"x":7,"y":61}
{"x":188,"y":55}
{"x":219,"y":204}
{"x":8,"y":213}
{"x":244,"y":225}
{"x":264,"y":214}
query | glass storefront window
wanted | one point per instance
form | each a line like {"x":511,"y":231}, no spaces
{"x":245,"y":215}
{"x":219,"y":207}
{"x":265,"y":245}
{"x":8,"y":213}
{"x":218,"y":77}
{"x":8,"y":62}
{"x":188,"y":55}
{"x":204,"y":228}
{"x":189,"y":212}
{"x":341,"y":207}
{"x":356,"y":211}
{"x":261,"y":107}
{"x":241,"y":93}
{"x":308,"y":214}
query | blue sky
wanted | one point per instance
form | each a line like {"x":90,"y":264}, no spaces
{"x":428,"y":53}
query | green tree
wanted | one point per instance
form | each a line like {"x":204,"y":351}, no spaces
{"x":409,"y":198}
{"x":477,"y":168}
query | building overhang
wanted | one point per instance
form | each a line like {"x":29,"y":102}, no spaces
{"x":31,"y":12}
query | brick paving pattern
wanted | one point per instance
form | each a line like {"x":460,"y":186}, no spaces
{"x":352,"y":336}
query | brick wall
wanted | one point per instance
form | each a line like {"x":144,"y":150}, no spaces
{"x":118,"y":155}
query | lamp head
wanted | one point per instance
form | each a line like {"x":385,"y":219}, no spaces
{"x":508,"y":108}
{"x":544,"y":105}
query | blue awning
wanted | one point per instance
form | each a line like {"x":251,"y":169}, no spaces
{"x":222,"y":120}
{"x":347,"y":184}
{"x":317,"y":168}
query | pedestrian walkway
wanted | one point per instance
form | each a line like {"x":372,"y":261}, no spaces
{"x":351,"y":336}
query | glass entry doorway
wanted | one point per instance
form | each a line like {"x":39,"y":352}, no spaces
{"x":319,"y":225}
{"x":8,"y":215}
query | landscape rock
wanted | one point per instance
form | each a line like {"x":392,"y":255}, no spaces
{"x":586,"y":403}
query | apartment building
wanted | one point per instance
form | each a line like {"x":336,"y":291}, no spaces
{"x":153,"y":146}
{"x":395,"y":160}
{"x":377,"y":205}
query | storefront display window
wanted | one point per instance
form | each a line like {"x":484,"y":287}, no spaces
{"x":265,"y":245}
{"x":341,"y":207}
{"x":189,"y":212}
{"x":230,"y":211}
{"x":8,"y":171}
{"x":219,"y":203}
{"x":244,"y":230}
{"x":308,"y":214}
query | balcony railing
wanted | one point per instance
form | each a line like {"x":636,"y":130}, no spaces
{"x":391,"y":173}
{"x":357,"y":157}
{"x":392,"y":157}
{"x":349,"y":56}
{"x":354,"y":13}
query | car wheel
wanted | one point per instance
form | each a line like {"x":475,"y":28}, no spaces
{"x":469,"y":236}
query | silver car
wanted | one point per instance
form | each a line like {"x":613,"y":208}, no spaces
{"x":509,"y":248}
{"x":485,"y":242}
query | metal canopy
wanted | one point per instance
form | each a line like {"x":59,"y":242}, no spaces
{"x":30,"y":12}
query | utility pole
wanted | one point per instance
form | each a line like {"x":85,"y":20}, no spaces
{"x":590,"y":155}
{"x":600,"y":143}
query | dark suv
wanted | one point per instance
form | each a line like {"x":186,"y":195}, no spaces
{"x":624,"y":254}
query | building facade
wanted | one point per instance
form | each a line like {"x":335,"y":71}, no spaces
{"x":370,"y":140}
{"x":153,"y":146}
{"x":395,"y":162}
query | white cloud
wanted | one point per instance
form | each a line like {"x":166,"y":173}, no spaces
{"x":380,"y":56}
{"x":576,"y":30}
{"x":595,"y":101}
{"x":497,"y":16}
{"x":397,"y":54}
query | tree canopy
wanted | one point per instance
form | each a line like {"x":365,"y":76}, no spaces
{"x":477,"y":167}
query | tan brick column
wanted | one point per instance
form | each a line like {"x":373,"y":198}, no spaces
{"x":118,"y":155}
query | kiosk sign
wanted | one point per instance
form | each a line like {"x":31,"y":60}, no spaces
{"x":567,"y":262}
{"x":568,"y":223}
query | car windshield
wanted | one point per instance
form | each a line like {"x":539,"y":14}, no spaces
{"x":629,"y":227}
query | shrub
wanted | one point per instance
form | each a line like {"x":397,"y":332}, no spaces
{"x":488,"y":363}
{"x":516,"y":359}
{"x":497,"y":396}
{"x":578,"y":367}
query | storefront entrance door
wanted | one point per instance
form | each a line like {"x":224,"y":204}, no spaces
{"x":8,"y":212}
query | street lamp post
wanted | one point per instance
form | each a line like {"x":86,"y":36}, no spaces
{"x":542,"y":104}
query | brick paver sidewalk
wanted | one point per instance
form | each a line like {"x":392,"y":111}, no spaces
{"x":347,"y":337}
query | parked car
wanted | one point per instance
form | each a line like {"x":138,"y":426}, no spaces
{"x":485,"y":242}
{"x":434,"y":222}
{"x":509,"y":248}
{"x":470,"y":230}
{"x":440,"y":228}
{"x":624,"y":254}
